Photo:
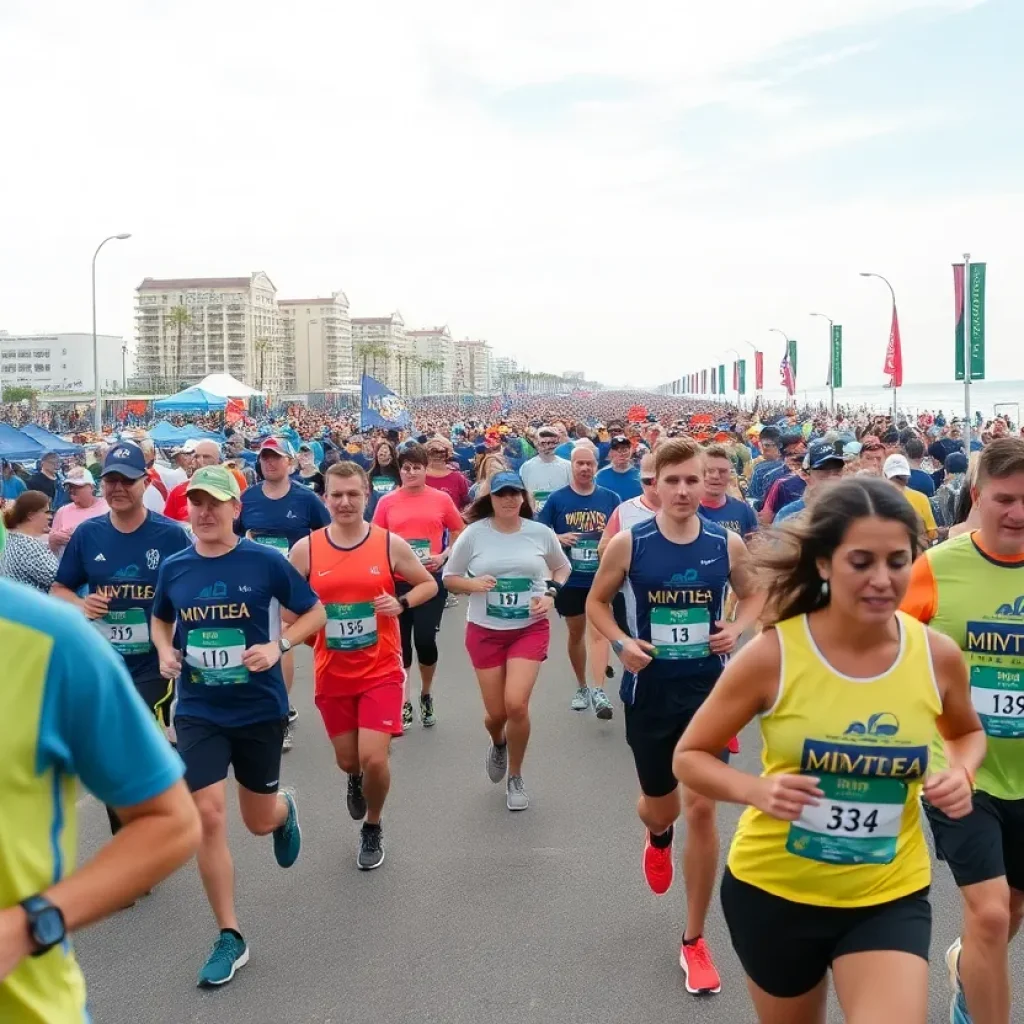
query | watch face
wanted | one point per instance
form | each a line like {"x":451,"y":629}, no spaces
{"x":48,"y":928}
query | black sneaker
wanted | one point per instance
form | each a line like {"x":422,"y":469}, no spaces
{"x":427,"y":710}
{"x":371,"y":851}
{"x":356,"y":801}
{"x":292,"y":714}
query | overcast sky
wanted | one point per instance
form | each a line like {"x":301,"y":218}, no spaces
{"x":627,"y":189}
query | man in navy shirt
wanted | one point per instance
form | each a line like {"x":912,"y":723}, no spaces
{"x":578,"y":514}
{"x":621,"y":476}
{"x":217,"y":626}
{"x":822,"y":464}
{"x":919,"y":479}
{"x":716,"y":505}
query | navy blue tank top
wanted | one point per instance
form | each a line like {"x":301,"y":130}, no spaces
{"x":675,"y":593}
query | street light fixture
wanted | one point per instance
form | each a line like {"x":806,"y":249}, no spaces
{"x":98,"y":419}
{"x":831,"y":368}
{"x":895,"y":389}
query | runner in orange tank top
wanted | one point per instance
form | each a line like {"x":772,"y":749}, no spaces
{"x":358,"y":671}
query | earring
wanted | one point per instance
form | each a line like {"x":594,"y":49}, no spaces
{"x":824,"y":589}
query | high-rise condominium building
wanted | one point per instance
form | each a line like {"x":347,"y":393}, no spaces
{"x":380,"y":348}
{"x":474,"y":367}
{"x":434,"y":353}
{"x":319,"y":332}
{"x":189,"y":327}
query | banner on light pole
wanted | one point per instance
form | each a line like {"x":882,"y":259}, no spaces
{"x":836,"y":362}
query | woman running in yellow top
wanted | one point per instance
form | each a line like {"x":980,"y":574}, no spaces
{"x":829,"y":866}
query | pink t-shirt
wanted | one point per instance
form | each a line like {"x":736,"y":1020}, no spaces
{"x":69,"y":517}
{"x":454,"y":485}
{"x":419,"y":518}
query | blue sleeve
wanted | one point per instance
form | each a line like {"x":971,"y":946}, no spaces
{"x":240,"y":521}
{"x":162,"y":607}
{"x":547,"y":514}
{"x":318,"y":514}
{"x":290,"y":587}
{"x":89,"y":698}
{"x":749,"y":519}
{"x":71,"y":570}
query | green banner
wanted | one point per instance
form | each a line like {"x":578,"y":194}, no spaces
{"x":836,"y":363}
{"x":721,"y":378}
{"x":743,"y":376}
{"x":792,"y":356}
{"x":977,"y":297}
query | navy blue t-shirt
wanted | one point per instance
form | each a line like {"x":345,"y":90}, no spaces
{"x":922,"y":481}
{"x":734,"y":515}
{"x":221,"y":607}
{"x":281,"y":522}
{"x":124,"y":568}
{"x":565,"y":511}
{"x":626,"y":485}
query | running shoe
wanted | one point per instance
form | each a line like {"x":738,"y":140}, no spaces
{"x":451,"y":601}
{"x":228,"y":954}
{"x":407,"y":716}
{"x":288,"y":837}
{"x":288,"y":740}
{"x":581,"y":701}
{"x":427,"y":710}
{"x":355,"y":799}
{"x":497,"y":762}
{"x":292,"y":714}
{"x":371,"y":849}
{"x":515,"y":795}
{"x":958,"y":1003}
{"x":602,"y":705}
{"x":699,"y":969}
{"x":659,"y":866}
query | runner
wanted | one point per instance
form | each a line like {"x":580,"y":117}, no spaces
{"x":578,"y":513}
{"x":420,"y":515}
{"x":441,"y":475}
{"x":206,"y":453}
{"x":512,"y":568}
{"x":829,"y":866}
{"x":636,"y":510}
{"x":717,"y":506}
{"x":676,"y":567}
{"x":620,"y":475}
{"x":218,"y":602}
{"x":83,"y":505}
{"x":278,"y":513}
{"x":821,"y":466}
{"x":897,"y":471}
{"x":358,"y":674}
{"x":545,"y":472}
{"x":116,"y":559}
{"x":969,"y":589}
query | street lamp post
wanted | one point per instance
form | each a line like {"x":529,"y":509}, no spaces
{"x":895,"y":389}
{"x":831,"y":367}
{"x":98,"y":419}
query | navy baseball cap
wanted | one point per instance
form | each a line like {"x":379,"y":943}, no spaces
{"x":821,"y":454}
{"x":956,"y":462}
{"x":125,"y":460}
{"x":506,"y":481}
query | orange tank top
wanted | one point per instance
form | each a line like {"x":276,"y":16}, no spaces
{"x":357,"y":649}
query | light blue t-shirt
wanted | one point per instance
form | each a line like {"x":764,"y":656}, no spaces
{"x":792,"y":509}
{"x":626,"y":485}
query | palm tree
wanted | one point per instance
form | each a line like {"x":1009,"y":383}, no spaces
{"x":411,"y":362}
{"x":178,"y":317}
{"x":260,"y":346}
{"x":432,"y":366}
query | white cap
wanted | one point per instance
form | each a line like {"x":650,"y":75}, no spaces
{"x":78,"y":477}
{"x":896,"y":465}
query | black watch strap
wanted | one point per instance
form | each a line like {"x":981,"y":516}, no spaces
{"x":45,"y":924}
{"x":404,"y":602}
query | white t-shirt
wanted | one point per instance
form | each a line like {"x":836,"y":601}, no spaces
{"x":541,"y":478}
{"x":521,"y":562}
{"x":153,"y":499}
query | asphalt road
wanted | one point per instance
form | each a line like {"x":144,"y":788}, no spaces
{"x":477,"y":916}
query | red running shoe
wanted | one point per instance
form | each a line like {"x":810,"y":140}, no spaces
{"x":658,"y":866}
{"x":734,"y":745}
{"x":699,"y":969}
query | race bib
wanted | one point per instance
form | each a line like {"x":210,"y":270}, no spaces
{"x":383,"y":485}
{"x":215,"y":656}
{"x":998,"y":696}
{"x":270,"y":541}
{"x":127,"y":631}
{"x":583,"y":556}
{"x":540,"y":497}
{"x":680,"y":633}
{"x":421,"y":549}
{"x":857,"y":822}
{"x":510,"y":599}
{"x":351,"y":627}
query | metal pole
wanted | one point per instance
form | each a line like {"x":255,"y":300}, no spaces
{"x":967,"y":352}
{"x":831,"y":367}
{"x":98,"y":417}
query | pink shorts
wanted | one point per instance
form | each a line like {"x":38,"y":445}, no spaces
{"x":378,"y":709}
{"x":491,"y":648}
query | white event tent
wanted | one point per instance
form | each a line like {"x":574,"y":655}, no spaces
{"x":224,"y":385}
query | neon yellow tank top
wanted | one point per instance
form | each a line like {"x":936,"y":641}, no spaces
{"x":867,"y":740}
{"x":980,"y":605}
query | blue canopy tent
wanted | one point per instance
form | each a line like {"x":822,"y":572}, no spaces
{"x":15,"y":446}
{"x":193,"y":399}
{"x":51,"y":442}
{"x":165,"y":434}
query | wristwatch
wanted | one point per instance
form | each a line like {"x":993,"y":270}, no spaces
{"x":404,"y":602}
{"x":45,"y":923}
{"x":284,"y":645}
{"x":551,"y":592}
{"x":617,"y":646}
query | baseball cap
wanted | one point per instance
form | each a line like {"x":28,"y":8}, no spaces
{"x":852,"y":448}
{"x":792,"y":444}
{"x":896,"y":465}
{"x":821,"y":454}
{"x":217,"y":481}
{"x":277,"y":445}
{"x":956,"y":462}
{"x":506,"y":481}
{"x":547,"y":432}
{"x":125,"y":460}
{"x":619,"y":440}
{"x":79,"y":476}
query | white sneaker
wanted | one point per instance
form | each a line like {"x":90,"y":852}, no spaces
{"x":581,"y":699}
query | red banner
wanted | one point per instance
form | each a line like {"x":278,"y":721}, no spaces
{"x":234,"y":411}
{"x":894,"y":354}
{"x":736,"y":377}
{"x":759,"y":371}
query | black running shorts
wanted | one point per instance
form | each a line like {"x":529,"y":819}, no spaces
{"x":786,"y":948}
{"x":208,"y":750}
{"x":158,"y":693}
{"x":988,"y":843}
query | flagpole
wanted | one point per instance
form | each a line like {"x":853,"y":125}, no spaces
{"x":831,"y":368}
{"x":967,"y":351}
{"x":895,"y":389}
{"x":755,"y":348}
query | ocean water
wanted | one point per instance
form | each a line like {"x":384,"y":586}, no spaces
{"x":987,"y":397}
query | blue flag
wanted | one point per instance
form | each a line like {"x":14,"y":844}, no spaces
{"x":381,"y":407}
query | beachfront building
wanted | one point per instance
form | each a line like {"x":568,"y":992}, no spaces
{"x":474,"y":367}
{"x":62,"y":361}
{"x":380,"y":348}
{"x":319,"y":333}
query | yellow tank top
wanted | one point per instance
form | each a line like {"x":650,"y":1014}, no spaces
{"x":867,"y":740}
